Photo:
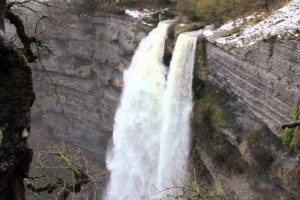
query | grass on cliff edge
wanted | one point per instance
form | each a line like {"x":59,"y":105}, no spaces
{"x":291,"y":136}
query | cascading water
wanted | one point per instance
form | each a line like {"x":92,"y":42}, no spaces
{"x":151,"y":133}
{"x":177,"y":106}
{"x":134,"y":155}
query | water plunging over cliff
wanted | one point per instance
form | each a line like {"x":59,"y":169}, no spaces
{"x":151,"y":132}
{"x":177,"y":106}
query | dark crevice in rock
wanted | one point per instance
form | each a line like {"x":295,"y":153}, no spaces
{"x":197,"y":86}
{"x":167,"y":58}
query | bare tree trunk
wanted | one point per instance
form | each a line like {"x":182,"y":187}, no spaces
{"x":2,"y":14}
{"x":267,"y":5}
{"x":234,"y":13}
{"x":16,"y":98}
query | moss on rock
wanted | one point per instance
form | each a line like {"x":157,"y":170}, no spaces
{"x":291,"y":136}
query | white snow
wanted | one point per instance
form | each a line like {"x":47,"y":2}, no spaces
{"x":139,"y":13}
{"x":283,"y":22}
{"x":208,"y":32}
{"x":238,"y":22}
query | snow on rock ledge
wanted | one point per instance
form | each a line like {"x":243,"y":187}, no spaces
{"x":284,"y":22}
{"x":138,"y":13}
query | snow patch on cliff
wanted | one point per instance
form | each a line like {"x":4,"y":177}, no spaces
{"x":282,"y":23}
{"x":139,"y":13}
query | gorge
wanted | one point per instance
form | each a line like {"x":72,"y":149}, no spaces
{"x":241,"y":97}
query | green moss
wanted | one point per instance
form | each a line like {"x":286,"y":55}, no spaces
{"x":210,"y":113}
{"x":291,"y":136}
{"x":295,"y":143}
{"x":202,"y":59}
{"x":214,"y":108}
{"x":287,"y":137}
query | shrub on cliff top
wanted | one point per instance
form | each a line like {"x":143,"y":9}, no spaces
{"x":219,"y":11}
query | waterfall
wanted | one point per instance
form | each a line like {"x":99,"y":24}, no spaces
{"x":151,"y":133}
{"x":177,"y":107}
{"x":134,"y":155}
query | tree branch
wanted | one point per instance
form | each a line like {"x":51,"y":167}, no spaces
{"x":291,"y":124}
{"x":2,"y":13}
{"x":70,"y":166}
{"x":59,"y":182}
{"x":25,"y":39}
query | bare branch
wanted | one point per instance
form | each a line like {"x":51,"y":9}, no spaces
{"x":291,"y":124}
{"x":2,"y":13}
{"x":25,"y":39}
{"x":59,"y":182}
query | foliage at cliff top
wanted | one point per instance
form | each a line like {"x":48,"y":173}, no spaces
{"x":283,"y":23}
{"x":240,"y":31}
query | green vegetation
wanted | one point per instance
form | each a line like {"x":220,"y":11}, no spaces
{"x":197,"y":191}
{"x":219,"y":11}
{"x":210,"y":106}
{"x":291,"y":136}
{"x":202,"y":59}
{"x":210,"y":113}
{"x":214,"y":11}
{"x":118,"y":7}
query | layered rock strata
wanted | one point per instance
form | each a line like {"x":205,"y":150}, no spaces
{"x":243,"y":153}
{"x":239,"y":152}
{"x":264,"y":77}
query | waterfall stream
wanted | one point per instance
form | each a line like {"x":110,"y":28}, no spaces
{"x":151,"y":133}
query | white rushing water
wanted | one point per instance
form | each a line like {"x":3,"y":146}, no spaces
{"x":177,"y":107}
{"x":151,"y":133}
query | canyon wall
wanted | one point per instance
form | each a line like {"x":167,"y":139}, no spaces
{"x":260,"y":85}
{"x":265,"y":77}
{"x":248,"y":93}
{"x":86,"y":69}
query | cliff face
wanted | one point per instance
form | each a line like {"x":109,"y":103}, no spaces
{"x":90,"y":56}
{"x":16,"y":98}
{"x":264,"y":77}
{"x":254,"y":91}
